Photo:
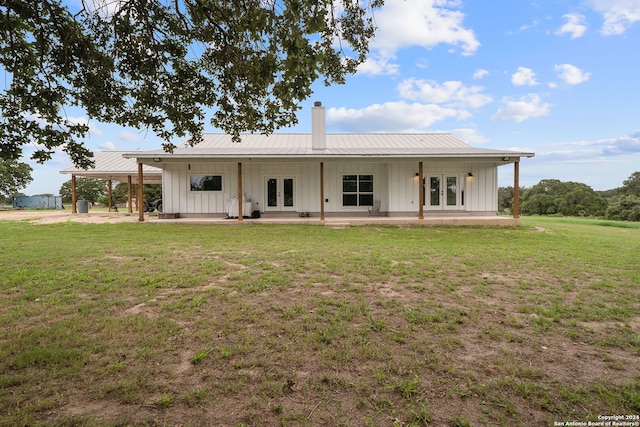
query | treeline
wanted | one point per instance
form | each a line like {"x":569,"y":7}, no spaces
{"x":554,"y":197}
{"x":96,"y":191}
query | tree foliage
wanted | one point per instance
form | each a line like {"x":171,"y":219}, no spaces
{"x":120,"y":193}
{"x":89,"y":189}
{"x":624,"y":208}
{"x":162,"y":64}
{"x":551,"y":196}
{"x":14,"y":175}
{"x":631,"y":185}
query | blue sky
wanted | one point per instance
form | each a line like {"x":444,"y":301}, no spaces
{"x":560,"y":78}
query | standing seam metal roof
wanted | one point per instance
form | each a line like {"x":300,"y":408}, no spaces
{"x":354,"y":145}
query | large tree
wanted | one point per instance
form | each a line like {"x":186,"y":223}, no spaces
{"x":551,"y":196}
{"x":89,"y":189}
{"x":14,"y":175}
{"x":631,"y":185}
{"x":162,"y":64}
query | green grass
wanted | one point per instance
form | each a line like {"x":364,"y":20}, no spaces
{"x":158,"y":324}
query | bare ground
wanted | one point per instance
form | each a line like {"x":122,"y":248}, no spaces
{"x":54,"y":216}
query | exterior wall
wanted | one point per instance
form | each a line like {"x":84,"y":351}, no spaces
{"x":395,"y":185}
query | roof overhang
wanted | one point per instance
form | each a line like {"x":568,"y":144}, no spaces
{"x":111,"y":165}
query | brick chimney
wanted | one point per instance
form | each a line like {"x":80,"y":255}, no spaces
{"x":318,"y":127}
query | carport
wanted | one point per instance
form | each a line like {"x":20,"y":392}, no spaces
{"x":111,"y":166}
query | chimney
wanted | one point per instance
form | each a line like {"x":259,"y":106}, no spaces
{"x":318,"y":127}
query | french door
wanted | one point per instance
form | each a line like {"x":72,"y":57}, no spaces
{"x":444,"y":192}
{"x":280,"y":193}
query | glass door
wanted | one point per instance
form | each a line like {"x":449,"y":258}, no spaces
{"x":280,"y":194}
{"x":443,"y":192}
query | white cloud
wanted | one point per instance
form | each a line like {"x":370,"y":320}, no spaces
{"x":618,"y":15}
{"x":574,"y":25}
{"x":571,"y":74}
{"x":388,"y":117}
{"x":480,"y":74}
{"x":424,"y":23}
{"x":470,"y":136}
{"x":524,"y":77}
{"x":72,"y":120}
{"x":93,"y":129}
{"x":107,"y":146}
{"x":130,"y":136}
{"x":376,"y":65}
{"x":530,"y":26}
{"x":608,"y":147}
{"x":527,"y":107}
{"x":450,"y":93}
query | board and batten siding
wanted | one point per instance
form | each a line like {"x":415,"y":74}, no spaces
{"x":395,"y":185}
{"x":178,"y":198}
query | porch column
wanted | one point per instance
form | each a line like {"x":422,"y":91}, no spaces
{"x":140,"y":195}
{"x":239,"y":191}
{"x":516,"y":189}
{"x":321,"y":191}
{"x":129,"y":195}
{"x":110,"y":189}
{"x":420,"y":192}
{"x":73,"y":194}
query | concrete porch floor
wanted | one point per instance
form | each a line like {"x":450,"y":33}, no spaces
{"x":338,"y":222}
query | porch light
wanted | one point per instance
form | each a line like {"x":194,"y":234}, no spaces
{"x":470,"y":174}
{"x":156,"y":159}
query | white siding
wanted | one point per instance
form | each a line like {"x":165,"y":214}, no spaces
{"x":395,"y":185}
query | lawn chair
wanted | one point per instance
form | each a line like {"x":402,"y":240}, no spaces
{"x":375,"y":209}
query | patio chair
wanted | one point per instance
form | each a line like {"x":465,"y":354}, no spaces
{"x":375,"y":209}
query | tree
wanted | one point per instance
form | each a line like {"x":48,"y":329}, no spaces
{"x":624,"y":208}
{"x":120,"y":193}
{"x":505,"y":199}
{"x":161,"y":64}
{"x":632,"y":185}
{"x":88,"y":189}
{"x":14,"y":175}
{"x":551,"y":196}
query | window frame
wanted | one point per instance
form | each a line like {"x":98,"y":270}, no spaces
{"x":192,"y":190}
{"x":359,"y":194}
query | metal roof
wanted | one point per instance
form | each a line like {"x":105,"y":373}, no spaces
{"x":298,"y":146}
{"x":112,"y":165}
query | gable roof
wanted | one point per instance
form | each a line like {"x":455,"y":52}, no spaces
{"x":299,"y":146}
{"x":112,"y":165}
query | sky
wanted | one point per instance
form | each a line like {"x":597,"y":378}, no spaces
{"x":560,"y":78}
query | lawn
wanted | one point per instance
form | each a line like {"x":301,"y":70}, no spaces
{"x":159,"y":324}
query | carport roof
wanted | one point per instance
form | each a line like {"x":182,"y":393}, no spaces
{"x":111,"y":165}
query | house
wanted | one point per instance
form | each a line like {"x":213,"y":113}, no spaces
{"x":329,"y":175}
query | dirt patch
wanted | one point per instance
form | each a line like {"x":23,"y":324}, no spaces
{"x":52,"y":217}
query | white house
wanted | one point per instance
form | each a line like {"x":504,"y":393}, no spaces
{"x":333,"y":175}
